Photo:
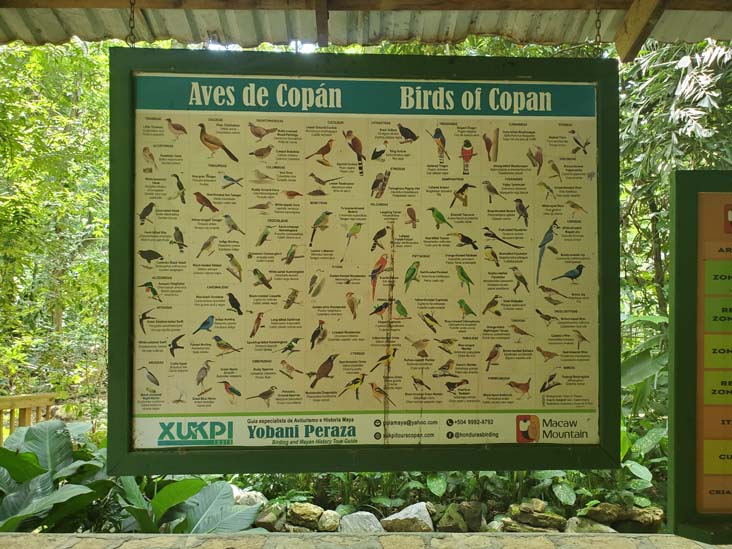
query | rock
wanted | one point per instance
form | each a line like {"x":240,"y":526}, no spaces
{"x":452,"y":520}
{"x":472,"y":512}
{"x":304,"y":514}
{"x":548,"y":520}
{"x":359,"y":523}
{"x":413,"y":518}
{"x":627,"y":519}
{"x":271,"y":517}
{"x":329,"y":521}
{"x":436,"y":510}
{"x":583,"y":525}
{"x":606,"y":513}
{"x":483,"y":525}
{"x":292,"y":529}
{"x":248,"y":497}
{"x":510,"y":525}
{"x":534,"y":505}
{"x":494,"y":526}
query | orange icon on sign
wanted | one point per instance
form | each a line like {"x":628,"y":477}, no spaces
{"x":527,"y":429}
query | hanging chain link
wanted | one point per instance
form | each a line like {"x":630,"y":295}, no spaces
{"x":130,"y":38}
{"x":598,"y":24}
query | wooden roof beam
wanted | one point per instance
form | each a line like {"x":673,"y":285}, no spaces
{"x":636,"y":27}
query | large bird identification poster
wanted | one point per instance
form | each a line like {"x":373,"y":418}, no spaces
{"x":343,"y":260}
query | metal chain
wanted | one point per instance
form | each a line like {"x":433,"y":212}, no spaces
{"x":130,"y":38}
{"x":598,"y":23}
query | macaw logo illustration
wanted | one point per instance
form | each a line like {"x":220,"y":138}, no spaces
{"x":527,"y":429}
{"x":196,"y":433}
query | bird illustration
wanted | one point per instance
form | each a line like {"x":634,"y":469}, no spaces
{"x":580,"y":338}
{"x":265,"y":395}
{"x":257,"y":324}
{"x":173,"y":345}
{"x":488,"y":233}
{"x":552,"y":291}
{"x":467,"y":154}
{"x":412,"y":215}
{"x":149,"y":157}
{"x":291,"y":298}
{"x":446,"y":344}
{"x":420,"y":345}
{"x":492,"y":191}
{"x":234,"y":267}
{"x":381,"y":233}
{"x":352,"y":233}
{"x":290,"y":347}
{"x":353,"y":301}
{"x":145,"y":213}
{"x":323,"y":151}
{"x":401,"y":309}
{"x":260,"y":176}
{"x":150,"y":376}
{"x":317,"y":192}
{"x":380,"y":394}
{"x":317,"y":281}
{"x":288,"y":369}
{"x":213,"y":143}
{"x":522,"y":210}
{"x":491,"y":306}
{"x":318,"y":334}
{"x":548,"y":189}
{"x":465,"y":308}
{"x":446,"y":370}
{"x":494,"y":356}
{"x":549,"y":383}
{"x":519,"y":332}
{"x":408,"y":136}
{"x":354,"y":384}
{"x":385,"y":360}
{"x":491,"y":255}
{"x":225,"y":347}
{"x":232,"y":391}
{"x":176,"y":129}
{"x":556,"y":171}
{"x":203,"y":373}
{"x":379,"y":310}
{"x":181,"y":189}
{"x":357,"y":147}
{"x":379,"y":268}
{"x":178,"y":239}
{"x":324,"y":370}
{"x":452,"y":385}
{"x":463,"y":277}
{"x":552,"y":300}
{"x":572,"y":274}
{"x":207,"y":246}
{"x":411,"y":275}
{"x":231,"y":224}
{"x":145,"y":316}
{"x":262,"y":152}
{"x":261,"y":206}
{"x":464,"y":240}
{"x":575,"y":207}
{"x":290,"y":255}
{"x":548,"y":237}
{"x":379,"y":151}
{"x":461,"y":194}
{"x":321,"y":181}
{"x":150,"y":289}
{"x":439,"y":138}
{"x":262,"y":238}
{"x":429,"y":320}
{"x":378,"y":187}
{"x":230,"y":182}
{"x":546,"y":317}
{"x":206,"y":325}
{"x":259,"y":132}
{"x":149,"y":256}
{"x":581,"y":143}
{"x":536,"y":157}
{"x":234,"y":304}
{"x":261,"y":279}
{"x":520,"y":388}
{"x":520,"y":279}
{"x":205,"y":202}
{"x":321,"y":223}
{"x":548,"y":355}
{"x":439,"y":218}
{"x":418,"y":384}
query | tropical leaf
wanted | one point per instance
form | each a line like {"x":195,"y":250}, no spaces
{"x":564,"y":493}
{"x":437,"y":484}
{"x":549,"y":473}
{"x":74,"y":467}
{"x":21,"y":466}
{"x":36,"y":488}
{"x":650,"y":440}
{"x":38,"y":506}
{"x":208,"y":503}
{"x":51,"y":443}
{"x":227,"y":520}
{"x":638,"y":367}
{"x":638,"y":470}
{"x":175,"y":493}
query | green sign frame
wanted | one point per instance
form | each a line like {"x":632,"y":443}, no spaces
{"x":684,"y":518}
{"x":123,"y":459}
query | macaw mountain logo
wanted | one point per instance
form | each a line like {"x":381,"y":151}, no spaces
{"x":527,"y":429}
{"x":196,"y":433}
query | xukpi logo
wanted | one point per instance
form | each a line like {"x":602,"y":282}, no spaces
{"x":196,"y":433}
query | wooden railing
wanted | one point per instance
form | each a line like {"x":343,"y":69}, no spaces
{"x":22,"y":410}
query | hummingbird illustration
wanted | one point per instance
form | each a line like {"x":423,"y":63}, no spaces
{"x":261,"y":279}
{"x":257,"y":324}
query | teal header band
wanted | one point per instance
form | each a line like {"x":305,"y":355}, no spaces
{"x":343,"y":96}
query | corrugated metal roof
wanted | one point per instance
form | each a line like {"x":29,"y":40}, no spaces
{"x":249,"y":28}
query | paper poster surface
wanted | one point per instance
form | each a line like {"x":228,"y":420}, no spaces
{"x":345,"y":261}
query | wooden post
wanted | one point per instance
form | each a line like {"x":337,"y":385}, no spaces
{"x":11,"y":421}
{"x":37,"y":419}
{"x":24,"y":417}
{"x":2,"y":425}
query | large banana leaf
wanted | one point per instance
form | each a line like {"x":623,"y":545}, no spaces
{"x":21,"y":466}
{"x":212,"y":511}
{"x":50,"y":442}
{"x":42,"y":504}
